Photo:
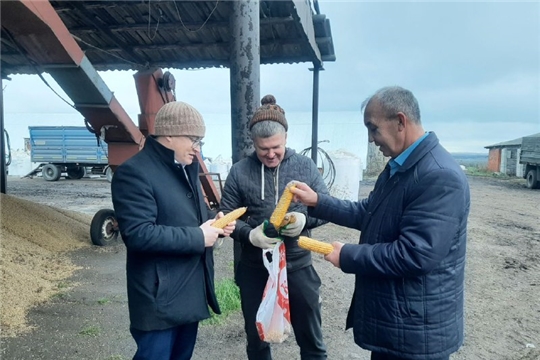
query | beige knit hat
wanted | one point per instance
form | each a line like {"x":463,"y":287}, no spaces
{"x":179,"y":118}
{"x":269,"y":110}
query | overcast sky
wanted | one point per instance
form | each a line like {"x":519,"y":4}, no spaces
{"x":474,"y":67}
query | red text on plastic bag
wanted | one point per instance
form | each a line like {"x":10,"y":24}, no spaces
{"x":273,"y":317}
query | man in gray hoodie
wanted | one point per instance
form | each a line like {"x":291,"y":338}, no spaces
{"x":257,"y":182}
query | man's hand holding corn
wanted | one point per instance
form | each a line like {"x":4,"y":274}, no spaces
{"x":210,"y":233}
{"x":333,"y":257}
{"x":293,"y":229}
{"x":304,"y":194}
{"x":259,"y":239}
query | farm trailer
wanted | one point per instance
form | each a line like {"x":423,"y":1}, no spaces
{"x":69,"y":150}
{"x":530,"y":159}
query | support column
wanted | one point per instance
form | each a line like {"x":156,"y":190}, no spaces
{"x":315,"y":115}
{"x":3,"y":150}
{"x":245,"y":80}
{"x":244,"y":73}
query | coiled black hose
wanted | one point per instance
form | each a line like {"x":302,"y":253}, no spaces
{"x":325,"y":164}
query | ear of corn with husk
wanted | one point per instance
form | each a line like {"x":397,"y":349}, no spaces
{"x":282,"y":207}
{"x":229,"y":218}
{"x":315,"y":245}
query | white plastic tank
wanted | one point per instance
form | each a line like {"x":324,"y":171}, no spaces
{"x":20,"y":163}
{"x":220,"y":166}
{"x":348,"y":168}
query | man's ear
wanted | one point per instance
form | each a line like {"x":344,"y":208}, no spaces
{"x":402,"y":121}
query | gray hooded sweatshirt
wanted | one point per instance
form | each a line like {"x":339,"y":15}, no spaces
{"x":250,"y":183}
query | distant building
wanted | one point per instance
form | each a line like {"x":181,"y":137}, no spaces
{"x":504,"y":157}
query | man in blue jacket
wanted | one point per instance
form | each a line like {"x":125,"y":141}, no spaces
{"x":166,"y":227}
{"x":409,"y":264}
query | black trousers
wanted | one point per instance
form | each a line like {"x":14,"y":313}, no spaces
{"x":171,"y":344}
{"x":304,"y":304}
{"x":382,"y":356}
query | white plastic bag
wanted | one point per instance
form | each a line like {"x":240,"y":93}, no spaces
{"x":273,"y":317}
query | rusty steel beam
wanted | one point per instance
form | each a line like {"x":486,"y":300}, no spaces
{"x":152,"y":96}
{"x":42,"y":37}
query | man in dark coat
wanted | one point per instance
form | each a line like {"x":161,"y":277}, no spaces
{"x":164,"y":223}
{"x":409,"y":265}
{"x":257,"y":182}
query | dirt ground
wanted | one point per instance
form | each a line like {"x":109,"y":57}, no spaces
{"x":89,"y":320}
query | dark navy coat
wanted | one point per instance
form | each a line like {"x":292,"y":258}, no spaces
{"x":170,"y":273}
{"x":409,"y":266}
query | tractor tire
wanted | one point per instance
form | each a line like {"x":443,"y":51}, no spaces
{"x":76,"y":173}
{"x":51,"y":172}
{"x":104,"y":228}
{"x":532,"y":179}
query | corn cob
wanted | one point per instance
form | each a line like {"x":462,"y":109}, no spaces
{"x":230,"y":217}
{"x":315,"y":245}
{"x":282,"y":206}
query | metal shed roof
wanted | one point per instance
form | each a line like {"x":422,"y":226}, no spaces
{"x":122,"y":35}
{"x":509,"y":143}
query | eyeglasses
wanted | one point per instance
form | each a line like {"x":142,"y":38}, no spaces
{"x":195,"y":142}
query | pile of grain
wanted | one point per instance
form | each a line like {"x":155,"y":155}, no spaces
{"x":34,"y":242}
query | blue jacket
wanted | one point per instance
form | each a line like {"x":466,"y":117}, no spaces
{"x":409,"y":266}
{"x":170,"y":273}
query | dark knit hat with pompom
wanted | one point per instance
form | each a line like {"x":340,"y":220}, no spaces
{"x":270,"y":111}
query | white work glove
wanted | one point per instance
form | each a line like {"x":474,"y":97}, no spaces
{"x":258,"y":239}
{"x":293,"y":229}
